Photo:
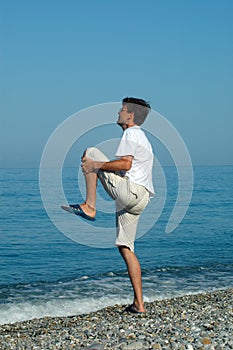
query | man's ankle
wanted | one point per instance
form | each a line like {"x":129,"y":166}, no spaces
{"x":91,"y":207}
{"x":139,"y":306}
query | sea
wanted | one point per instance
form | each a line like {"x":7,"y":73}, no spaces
{"x":45,"y":272}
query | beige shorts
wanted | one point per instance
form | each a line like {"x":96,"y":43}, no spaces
{"x":130,"y":200}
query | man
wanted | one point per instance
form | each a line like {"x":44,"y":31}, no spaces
{"x":128,"y":180}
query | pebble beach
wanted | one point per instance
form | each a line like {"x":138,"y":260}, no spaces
{"x":201,"y":321}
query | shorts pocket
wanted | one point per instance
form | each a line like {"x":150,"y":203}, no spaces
{"x":139,"y":200}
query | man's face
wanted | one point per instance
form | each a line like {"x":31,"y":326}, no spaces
{"x":123,"y":116}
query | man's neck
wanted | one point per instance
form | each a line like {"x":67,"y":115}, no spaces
{"x":126,"y":126}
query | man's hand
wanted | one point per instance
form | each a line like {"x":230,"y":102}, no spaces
{"x":88,"y":165}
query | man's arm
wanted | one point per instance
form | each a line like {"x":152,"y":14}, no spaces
{"x":124,"y":163}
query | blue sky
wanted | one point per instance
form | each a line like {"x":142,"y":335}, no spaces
{"x":58,"y":57}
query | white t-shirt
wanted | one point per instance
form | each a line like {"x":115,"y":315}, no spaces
{"x":135,"y":143}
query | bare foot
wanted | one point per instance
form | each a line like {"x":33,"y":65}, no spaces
{"x":139,"y":308}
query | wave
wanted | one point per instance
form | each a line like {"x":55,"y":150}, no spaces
{"x":90,"y":293}
{"x":15,"y":312}
{"x":59,"y":307}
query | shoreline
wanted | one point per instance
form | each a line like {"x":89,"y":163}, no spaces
{"x":198,"y":321}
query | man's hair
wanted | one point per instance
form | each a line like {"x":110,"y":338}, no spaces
{"x":139,"y":107}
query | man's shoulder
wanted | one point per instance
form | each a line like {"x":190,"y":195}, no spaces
{"x":133,"y":130}
{"x":132,"y":133}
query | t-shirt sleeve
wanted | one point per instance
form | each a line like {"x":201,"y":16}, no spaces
{"x":127,"y":146}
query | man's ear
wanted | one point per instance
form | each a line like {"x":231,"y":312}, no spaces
{"x":131,"y":116}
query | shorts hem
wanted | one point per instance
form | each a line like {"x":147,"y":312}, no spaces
{"x":118,"y":245}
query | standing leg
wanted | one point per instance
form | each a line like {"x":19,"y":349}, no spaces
{"x":134,"y":271}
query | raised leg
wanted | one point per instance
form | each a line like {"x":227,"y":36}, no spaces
{"x":89,"y":206}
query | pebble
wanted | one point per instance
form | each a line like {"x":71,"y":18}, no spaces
{"x":192,"y":322}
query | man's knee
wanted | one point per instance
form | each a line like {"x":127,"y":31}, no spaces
{"x":90,"y":152}
{"x":95,"y":154}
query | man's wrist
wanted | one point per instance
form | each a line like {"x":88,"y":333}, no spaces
{"x":98,"y":165}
